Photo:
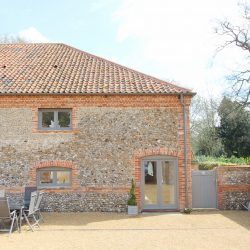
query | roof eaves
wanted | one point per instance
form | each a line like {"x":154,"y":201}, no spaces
{"x":101,"y":94}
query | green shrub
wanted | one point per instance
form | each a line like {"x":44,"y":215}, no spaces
{"x":132,"y":198}
{"x":207,"y":165}
{"x":209,"y":162}
{"x":247,"y":160}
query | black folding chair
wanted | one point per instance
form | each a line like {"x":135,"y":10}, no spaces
{"x":27,"y":195}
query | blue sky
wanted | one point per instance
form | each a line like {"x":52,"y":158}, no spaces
{"x":172,"y":40}
{"x":84,"y":24}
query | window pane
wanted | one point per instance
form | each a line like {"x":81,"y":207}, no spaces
{"x":168,"y":182}
{"x":150,"y":186}
{"x":46,"y":177}
{"x":48,"y":120}
{"x":63,"y":177}
{"x":64,"y":119}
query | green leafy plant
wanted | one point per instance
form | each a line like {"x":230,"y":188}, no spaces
{"x":247,"y":160}
{"x":132,"y":198}
{"x":209,"y":162}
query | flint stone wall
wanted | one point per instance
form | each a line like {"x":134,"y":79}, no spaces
{"x":233,"y":186}
{"x":236,"y":177}
{"x":77,"y":201}
{"x":102,"y":149}
{"x":234,"y":200}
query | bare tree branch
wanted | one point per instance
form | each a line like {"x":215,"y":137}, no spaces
{"x":238,"y":36}
{"x":11,"y":39}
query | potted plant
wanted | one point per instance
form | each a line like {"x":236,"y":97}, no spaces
{"x":132,"y":204}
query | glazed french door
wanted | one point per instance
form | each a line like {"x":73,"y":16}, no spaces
{"x":159,"y":183}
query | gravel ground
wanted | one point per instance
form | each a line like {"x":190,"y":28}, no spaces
{"x":199,"y":230}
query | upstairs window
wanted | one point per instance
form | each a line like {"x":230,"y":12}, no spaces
{"x":54,"y":177}
{"x":55,"y":119}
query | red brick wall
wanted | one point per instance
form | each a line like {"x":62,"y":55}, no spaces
{"x":119,"y":101}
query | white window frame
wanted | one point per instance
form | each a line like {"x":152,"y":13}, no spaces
{"x":57,"y":127}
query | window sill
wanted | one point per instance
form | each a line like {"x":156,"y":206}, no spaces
{"x":73,"y":131}
{"x":54,"y":188}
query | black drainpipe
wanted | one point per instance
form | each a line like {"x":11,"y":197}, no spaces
{"x":185,"y":146}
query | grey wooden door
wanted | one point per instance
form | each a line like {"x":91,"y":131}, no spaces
{"x":204,"y":189}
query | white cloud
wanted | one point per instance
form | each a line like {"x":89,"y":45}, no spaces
{"x":31,"y":34}
{"x":178,"y":41}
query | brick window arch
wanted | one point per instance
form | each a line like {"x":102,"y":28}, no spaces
{"x":56,"y":165}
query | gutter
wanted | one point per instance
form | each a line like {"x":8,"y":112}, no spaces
{"x":185,"y":147}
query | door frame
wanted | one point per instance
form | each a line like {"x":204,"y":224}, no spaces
{"x":158,"y":159}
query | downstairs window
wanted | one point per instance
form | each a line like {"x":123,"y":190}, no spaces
{"x":54,"y":177}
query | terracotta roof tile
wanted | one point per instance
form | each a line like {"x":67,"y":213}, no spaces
{"x":59,"y":68}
